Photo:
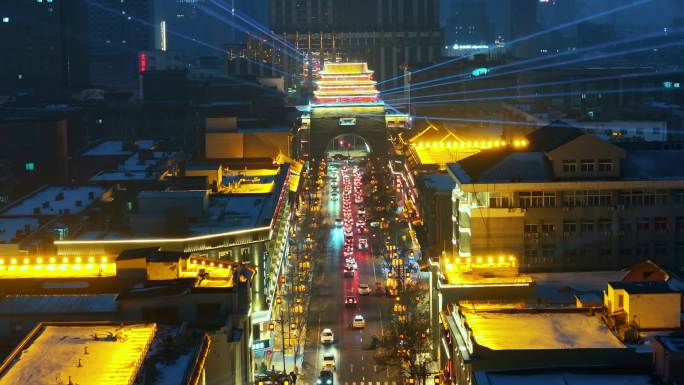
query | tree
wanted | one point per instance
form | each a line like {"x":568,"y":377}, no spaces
{"x":405,"y":344}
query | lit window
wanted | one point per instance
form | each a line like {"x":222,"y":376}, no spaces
{"x":5,"y":19}
{"x":30,"y":166}
{"x":587,"y":165}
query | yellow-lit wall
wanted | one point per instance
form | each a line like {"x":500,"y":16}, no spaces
{"x":266,"y":144}
{"x":224,"y":145}
{"x":654,"y":311}
{"x":247,"y":145}
{"x":162,"y":270}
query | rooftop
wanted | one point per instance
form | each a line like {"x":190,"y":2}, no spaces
{"x":118,"y":147}
{"x":107,"y":354}
{"x":113,"y":176}
{"x":15,"y":228}
{"x":534,"y":331}
{"x":56,"y":200}
{"x":442,"y":182}
{"x":618,"y":378}
{"x":560,"y":287}
{"x":672,"y":343}
{"x":643,"y":287}
{"x":51,"y":304}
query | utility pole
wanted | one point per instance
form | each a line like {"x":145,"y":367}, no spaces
{"x":282,"y":338}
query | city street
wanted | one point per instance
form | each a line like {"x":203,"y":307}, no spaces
{"x":352,"y":347}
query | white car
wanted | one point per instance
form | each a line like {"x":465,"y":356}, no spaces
{"x":348,"y":232}
{"x":352,"y":262}
{"x":328,"y":362}
{"x":361,"y":211}
{"x":363,"y":244}
{"x":359,"y":322}
{"x":338,"y":222}
{"x":364,"y":289}
{"x":327,"y":337}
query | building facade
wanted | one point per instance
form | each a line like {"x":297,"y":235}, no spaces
{"x":386,"y":34}
{"x":44,"y":45}
{"x":570,"y":202}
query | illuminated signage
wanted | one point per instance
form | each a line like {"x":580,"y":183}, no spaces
{"x":347,"y":121}
{"x":261,"y":344}
{"x":480,"y":71}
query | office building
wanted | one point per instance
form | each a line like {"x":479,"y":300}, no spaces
{"x":523,"y":15}
{"x":570,"y":201}
{"x":119,"y":32}
{"x":385,"y":34}
{"x":44,"y":45}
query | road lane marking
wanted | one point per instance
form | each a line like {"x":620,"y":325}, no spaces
{"x":351,"y":368}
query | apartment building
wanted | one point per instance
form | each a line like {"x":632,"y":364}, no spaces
{"x":570,"y":201}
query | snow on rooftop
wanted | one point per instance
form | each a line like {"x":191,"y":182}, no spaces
{"x":110,"y":147}
{"x":59,"y":199}
{"x":563,"y":379}
{"x":108,"y":176}
{"x":41,"y":304}
{"x":561,"y":287}
{"x":10,"y":226}
{"x":136,"y":162}
{"x":520,"y":331}
{"x":113,"y":356}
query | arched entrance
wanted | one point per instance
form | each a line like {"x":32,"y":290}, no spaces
{"x":348,"y":145}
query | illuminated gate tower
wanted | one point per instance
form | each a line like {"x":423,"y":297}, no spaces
{"x":346,"y":101}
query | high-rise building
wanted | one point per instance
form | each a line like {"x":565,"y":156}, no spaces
{"x":44,"y":45}
{"x":119,"y":31}
{"x":523,"y":15}
{"x":468,"y":23}
{"x":386,"y":34}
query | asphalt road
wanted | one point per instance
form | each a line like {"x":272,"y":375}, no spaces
{"x":354,"y":358}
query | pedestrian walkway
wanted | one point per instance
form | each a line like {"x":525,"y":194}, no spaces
{"x":355,"y":383}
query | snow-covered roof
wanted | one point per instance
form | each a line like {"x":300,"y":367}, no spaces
{"x":9,"y":227}
{"x":485,"y":378}
{"x":44,"y":304}
{"x":112,"y":176}
{"x":561,"y":287}
{"x":55,"y":200}
{"x":107,"y":148}
{"x":534,"y":331}
{"x":114,"y":355}
{"x":116,"y":147}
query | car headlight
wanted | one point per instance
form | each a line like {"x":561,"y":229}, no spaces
{"x":329,"y":382}
{"x":318,"y":381}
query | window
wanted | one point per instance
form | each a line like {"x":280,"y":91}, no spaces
{"x":499,"y":200}
{"x":660,"y":224}
{"x":582,"y":198}
{"x":549,"y":252}
{"x":678,"y":196}
{"x":621,"y":301}
{"x":548,"y":228}
{"x":569,"y":166}
{"x":531,"y":228}
{"x":604,"y":225}
{"x":5,"y":19}
{"x":531,"y":255}
{"x":244,"y":252}
{"x":569,"y":226}
{"x":587,"y":226}
{"x":30,"y":166}
{"x":642,"y":249}
{"x":537,"y":199}
{"x":679,"y":223}
{"x":643,"y":224}
{"x":605,"y":165}
{"x":642,"y":197}
{"x":587,"y":165}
